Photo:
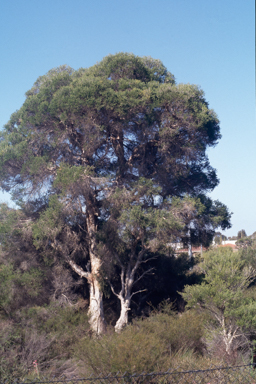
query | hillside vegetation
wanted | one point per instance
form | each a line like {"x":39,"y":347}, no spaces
{"x":44,"y":320}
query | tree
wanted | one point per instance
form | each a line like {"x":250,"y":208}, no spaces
{"x":253,"y":236}
{"x":82,"y":135}
{"x":225,"y":294}
{"x":201,"y":225}
{"x":23,"y":279}
{"x":28,"y":276}
{"x":245,"y":241}
{"x":241,"y":234}
{"x":219,"y":237}
{"x":139,"y":226}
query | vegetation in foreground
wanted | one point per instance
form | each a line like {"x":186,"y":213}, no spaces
{"x":54,"y":338}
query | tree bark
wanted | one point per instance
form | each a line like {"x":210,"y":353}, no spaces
{"x":96,"y":313}
{"x":123,"y":318}
{"x":127,"y":283}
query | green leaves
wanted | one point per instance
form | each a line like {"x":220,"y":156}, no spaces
{"x":225,"y":291}
{"x":52,"y":81}
{"x":124,"y":116}
{"x":129,"y":66}
{"x":49,"y":224}
{"x":13,"y":281}
{"x":7,"y":277}
{"x":67,"y":175}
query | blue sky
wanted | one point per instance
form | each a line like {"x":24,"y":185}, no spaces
{"x":210,"y":43}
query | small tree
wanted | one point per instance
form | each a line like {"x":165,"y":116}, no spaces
{"x":224,"y":293}
{"x":140,"y":225}
{"x":244,"y":242}
{"x":219,"y":237}
{"x":241,"y":234}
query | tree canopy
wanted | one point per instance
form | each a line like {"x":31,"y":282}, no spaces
{"x":77,"y":153}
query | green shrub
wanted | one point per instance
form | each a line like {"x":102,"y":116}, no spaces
{"x":146,"y":345}
{"x":46,"y":334}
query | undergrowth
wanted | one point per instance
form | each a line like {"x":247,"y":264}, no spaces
{"x":59,"y":343}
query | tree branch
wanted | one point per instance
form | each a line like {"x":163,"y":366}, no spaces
{"x":79,"y":270}
{"x":143,"y":274}
{"x":138,"y":262}
{"x":135,"y":293}
{"x":112,"y":289}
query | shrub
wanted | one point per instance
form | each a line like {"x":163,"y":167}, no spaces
{"x":146,"y":345}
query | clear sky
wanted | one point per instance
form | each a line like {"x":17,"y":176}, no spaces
{"x":210,"y":43}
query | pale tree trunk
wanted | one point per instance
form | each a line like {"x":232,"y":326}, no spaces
{"x":123,"y":318}
{"x":230,"y":331}
{"x":229,"y":335}
{"x":127,"y":282}
{"x":96,"y":314}
{"x":190,"y":254}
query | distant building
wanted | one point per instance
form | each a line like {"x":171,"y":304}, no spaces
{"x":226,"y":243}
{"x":230,"y":242}
{"x":179,"y":248}
{"x":195,"y":250}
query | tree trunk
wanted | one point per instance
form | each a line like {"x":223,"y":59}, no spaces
{"x":96,"y":314}
{"x":190,"y":254}
{"x":228,"y":339}
{"x":127,"y":283}
{"x":123,"y":318}
{"x":229,"y":332}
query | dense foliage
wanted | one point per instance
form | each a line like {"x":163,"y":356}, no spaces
{"x":225,"y":294}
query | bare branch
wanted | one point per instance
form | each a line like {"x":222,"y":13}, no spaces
{"x":122,"y":282}
{"x":112,"y":289}
{"x":135,"y":293}
{"x":78,"y":269}
{"x":138,"y":262}
{"x":69,"y":302}
{"x":143,"y":274}
{"x":149,"y":259}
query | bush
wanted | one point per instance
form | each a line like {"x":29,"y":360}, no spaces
{"x":46,"y":334}
{"x":147,"y":345}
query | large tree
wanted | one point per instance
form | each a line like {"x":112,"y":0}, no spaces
{"x":81,"y":135}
